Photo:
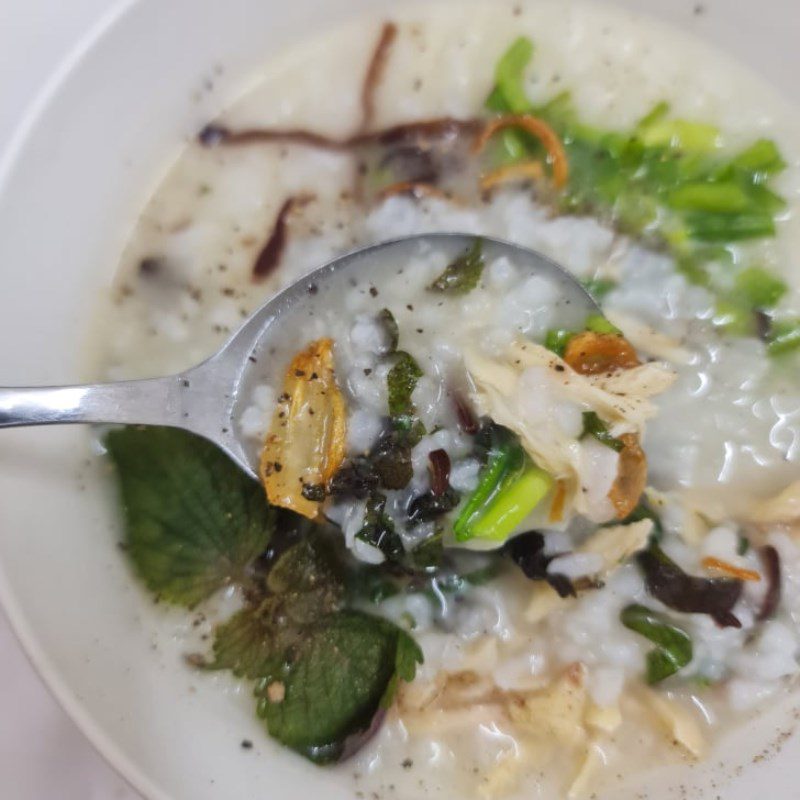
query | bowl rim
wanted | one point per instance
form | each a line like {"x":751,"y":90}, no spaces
{"x":50,"y":676}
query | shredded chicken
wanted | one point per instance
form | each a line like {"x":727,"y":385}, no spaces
{"x":782,"y":509}
{"x":615,"y":545}
{"x":647,"y":340}
{"x":621,"y":398}
{"x":682,"y":727}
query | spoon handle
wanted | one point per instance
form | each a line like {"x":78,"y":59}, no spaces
{"x":156,"y":401}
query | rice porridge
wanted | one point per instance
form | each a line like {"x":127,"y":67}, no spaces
{"x":573,"y":534}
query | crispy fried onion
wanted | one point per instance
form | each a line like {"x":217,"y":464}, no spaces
{"x":591,"y":353}
{"x":305,"y":444}
{"x":518,"y":172}
{"x":631,"y":476}
{"x":620,"y":398}
{"x":537,"y":128}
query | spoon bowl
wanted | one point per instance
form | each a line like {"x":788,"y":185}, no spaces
{"x":208,"y":399}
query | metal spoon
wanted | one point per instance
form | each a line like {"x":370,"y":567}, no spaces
{"x":209,"y":398}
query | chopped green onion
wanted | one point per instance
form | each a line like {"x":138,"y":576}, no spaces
{"x":510,"y":487}
{"x":734,"y":318}
{"x":729,"y":227}
{"x":785,"y":337}
{"x":511,"y":505}
{"x":508,"y":76}
{"x":761,"y":158}
{"x":557,"y":340}
{"x":598,"y":288}
{"x":656,"y":114}
{"x":594,"y":426}
{"x":505,"y":458}
{"x":597,"y":323}
{"x":673,"y":645}
{"x":681,"y":134}
{"x":721,"y":198}
{"x":759,"y":288}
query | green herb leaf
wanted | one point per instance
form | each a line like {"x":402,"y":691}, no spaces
{"x":341,"y":674}
{"x":427,"y":555}
{"x":193,"y":520}
{"x":463,"y":274}
{"x":323,"y":673}
{"x":246,"y":646}
{"x":401,"y":381}
{"x":594,"y":426}
{"x":674,"y":646}
{"x":379,"y":531}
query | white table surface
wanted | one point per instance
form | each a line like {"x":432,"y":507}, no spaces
{"x":43,"y":756}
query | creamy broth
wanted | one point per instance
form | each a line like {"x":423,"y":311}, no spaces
{"x":725,"y":437}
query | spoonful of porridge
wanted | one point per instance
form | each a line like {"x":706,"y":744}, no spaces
{"x":432,"y":375}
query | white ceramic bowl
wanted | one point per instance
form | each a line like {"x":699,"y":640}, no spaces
{"x":82,"y":164}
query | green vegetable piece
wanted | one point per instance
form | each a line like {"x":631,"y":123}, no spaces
{"x":785,"y":337}
{"x":656,"y":114}
{"x":464,"y":273}
{"x":761,"y":159}
{"x":401,"y":381}
{"x":509,"y":77}
{"x":681,"y":134}
{"x":721,"y":198}
{"x":707,"y":227}
{"x":742,"y":545}
{"x":734,"y":318}
{"x":506,"y":458}
{"x":759,"y":288}
{"x":674,"y":646}
{"x":389,"y":324}
{"x":193,"y":520}
{"x":379,"y":531}
{"x":598,"y":288}
{"x":323,"y":673}
{"x":512,"y":504}
{"x":245,"y":646}
{"x":557,"y":340}
{"x":594,"y":426}
{"x":597,"y":323}
{"x":643,"y":511}
{"x":341,"y":673}
{"x":427,"y":555}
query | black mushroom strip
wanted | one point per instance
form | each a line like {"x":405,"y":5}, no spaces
{"x":667,"y":582}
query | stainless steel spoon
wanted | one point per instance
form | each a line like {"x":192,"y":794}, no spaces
{"x":209,"y":398}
